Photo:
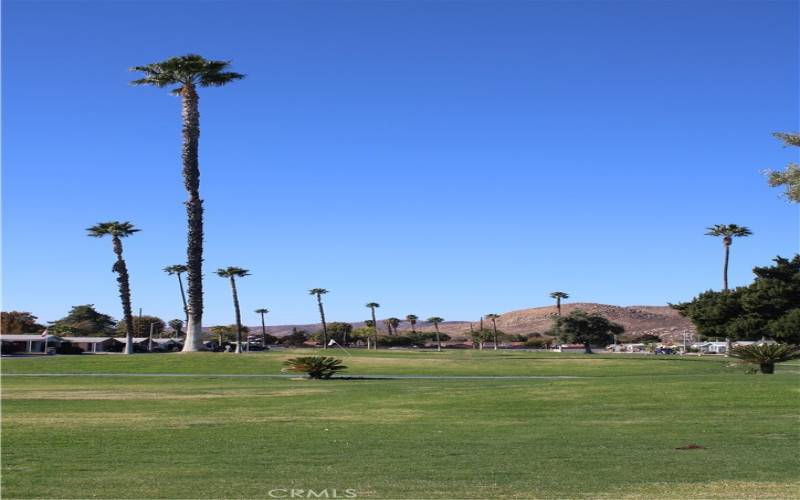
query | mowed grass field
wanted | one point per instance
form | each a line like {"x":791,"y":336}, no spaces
{"x":610,"y":433}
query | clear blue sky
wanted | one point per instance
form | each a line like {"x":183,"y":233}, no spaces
{"x":441,"y":158}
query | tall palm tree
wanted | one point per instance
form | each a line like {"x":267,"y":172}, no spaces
{"x":372,"y":306}
{"x":319,"y":292}
{"x":728,"y":232}
{"x":436,"y":320}
{"x":184,"y":74}
{"x":412,"y":320}
{"x":558,"y":296}
{"x":494,"y":317}
{"x":232,"y":273}
{"x":118,"y":230}
{"x":262,"y":312}
{"x":178,"y":269}
{"x":393,"y":324}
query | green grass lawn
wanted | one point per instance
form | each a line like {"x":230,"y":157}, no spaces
{"x":610,"y":434}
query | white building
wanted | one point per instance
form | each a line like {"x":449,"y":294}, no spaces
{"x":95,"y":344}
{"x":31,"y":343}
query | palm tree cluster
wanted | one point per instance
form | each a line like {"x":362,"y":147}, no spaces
{"x":184,"y":75}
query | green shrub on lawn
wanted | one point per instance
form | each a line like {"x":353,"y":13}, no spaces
{"x":765,"y":355}
{"x":317,"y":367}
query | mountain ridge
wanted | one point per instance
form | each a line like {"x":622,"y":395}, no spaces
{"x":638,"y":320}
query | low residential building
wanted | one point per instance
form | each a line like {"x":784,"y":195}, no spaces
{"x":627,"y":348}
{"x":31,"y":343}
{"x":95,"y":344}
{"x":716,"y":347}
{"x":571,"y":348}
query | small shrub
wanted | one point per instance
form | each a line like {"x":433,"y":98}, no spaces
{"x":765,"y":355}
{"x":537,"y":342}
{"x":317,"y":367}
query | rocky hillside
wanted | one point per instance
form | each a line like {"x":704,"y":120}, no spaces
{"x":637,"y":320}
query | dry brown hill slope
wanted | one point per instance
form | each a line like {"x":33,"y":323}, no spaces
{"x":637,"y":320}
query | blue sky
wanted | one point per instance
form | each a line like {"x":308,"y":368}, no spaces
{"x":440,"y":158}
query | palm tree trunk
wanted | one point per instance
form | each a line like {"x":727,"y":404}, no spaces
{"x":438,"y":342}
{"x":183,"y":297}
{"x":194,"y":212}
{"x":375,"y":326}
{"x":238,"y":316}
{"x":727,"y":245}
{"x":263,"y":332}
{"x":324,"y":325}
{"x":494,"y":331}
{"x":124,"y":293}
{"x":413,"y":327}
{"x":558,"y":305}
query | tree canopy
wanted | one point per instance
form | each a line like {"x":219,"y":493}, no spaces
{"x":768,"y":307}
{"x":19,"y":322}
{"x":580,"y":327}
{"x":188,"y":70}
{"x":86,"y":321}
{"x":790,"y":176}
{"x":336,"y":331}
{"x":296,"y":338}
{"x":141,"y":327}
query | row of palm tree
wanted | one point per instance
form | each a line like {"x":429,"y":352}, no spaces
{"x":184,"y":75}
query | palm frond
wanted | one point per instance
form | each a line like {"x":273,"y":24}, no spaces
{"x":190,"y":69}
{"x":112,"y":228}
{"x":227,"y":272}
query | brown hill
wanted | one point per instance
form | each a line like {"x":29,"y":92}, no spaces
{"x":637,"y":320}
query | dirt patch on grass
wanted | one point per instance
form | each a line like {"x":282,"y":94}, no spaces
{"x":125,"y":395}
{"x":713,"y":489}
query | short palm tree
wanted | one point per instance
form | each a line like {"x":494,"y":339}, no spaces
{"x":728,"y":232}
{"x":185,"y":74}
{"x":221,"y":331}
{"x":232,"y":273}
{"x":177,"y":327}
{"x":393,"y":324}
{"x":765,"y":355}
{"x":436,"y":320}
{"x":178,"y":269}
{"x":263,"y":312}
{"x":412,"y":320}
{"x":319,"y":292}
{"x":559,"y":296}
{"x":372,"y":306}
{"x":118,"y":230}
{"x":494,"y":317}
